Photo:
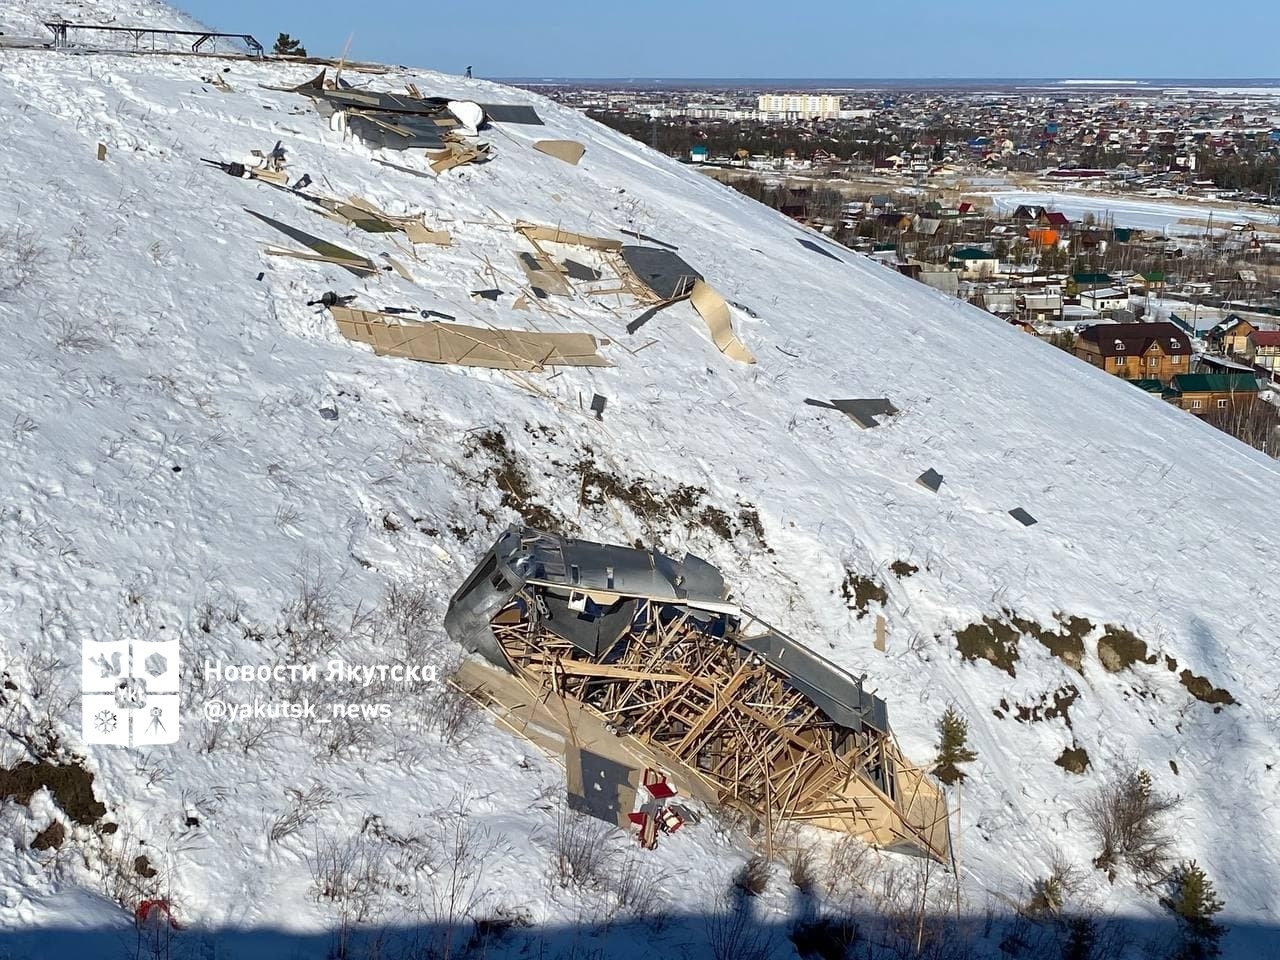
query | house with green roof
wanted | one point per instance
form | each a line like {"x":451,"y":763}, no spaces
{"x":974,"y":262}
{"x":1204,"y":393}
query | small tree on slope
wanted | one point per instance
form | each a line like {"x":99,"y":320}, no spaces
{"x":953,"y":746}
{"x":1196,"y":903}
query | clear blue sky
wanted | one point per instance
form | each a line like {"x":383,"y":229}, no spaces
{"x":769,"y":38}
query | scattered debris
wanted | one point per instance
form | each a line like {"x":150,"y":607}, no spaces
{"x":544,"y":274}
{"x":809,"y":244}
{"x":597,"y":405}
{"x":535,"y":232}
{"x":1023,"y":517}
{"x":467,"y":346}
{"x":456,"y":154}
{"x":511,"y":113}
{"x":863,"y":412}
{"x":648,"y":239}
{"x":102,"y":151}
{"x":326,"y":251}
{"x":570,"y":151}
{"x":931,"y":480}
{"x":715,"y":314}
{"x":664,"y":275}
{"x":580,"y":271}
{"x":491,"y":294}
{"x":603,"y":633}
{"x":365,"y":215}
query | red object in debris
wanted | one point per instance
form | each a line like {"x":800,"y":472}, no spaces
{"x":637,"y":818}
{"x":154,"y":912}
{"x":661,"y":790}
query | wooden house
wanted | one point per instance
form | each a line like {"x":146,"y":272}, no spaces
{"x":1136,"y":351}
{"x":1263,"y":350}
{"x":1203,"y":393}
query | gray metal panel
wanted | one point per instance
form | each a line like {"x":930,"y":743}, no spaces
{"x":662,"y":271}
{"x":421,"y":134}
{"x":861,"y":411}
{"x":511,"y":113}
{"x":1022,"y":516}
{"x":837,"y":694}
{"x":594,"y":636}
{"x":931,"y":480}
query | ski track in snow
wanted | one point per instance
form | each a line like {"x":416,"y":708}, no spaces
{"x":148,"y":344}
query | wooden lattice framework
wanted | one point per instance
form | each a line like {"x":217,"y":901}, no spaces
{"x":722,"y":714}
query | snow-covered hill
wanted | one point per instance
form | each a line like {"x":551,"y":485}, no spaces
{"x":189,"y":450}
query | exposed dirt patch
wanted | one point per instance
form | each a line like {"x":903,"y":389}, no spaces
{"x":1203,"y":690}
{"x":1049,"y":707}
{"x":901,"y":569}
{"x":70,"y":784}
{"x":509,"y":476}
{"x":992,"y":640}
{"x":143,"y":868}
{"x":1119,"y":649}
{"x":656,"y":507}
{"x":859,"y":592}
{"x":1074,"y":760}
{"x":50,"y":838}
{"x":1066,"y":643}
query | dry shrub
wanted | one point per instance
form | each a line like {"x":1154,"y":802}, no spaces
{"x":1126,"y":817}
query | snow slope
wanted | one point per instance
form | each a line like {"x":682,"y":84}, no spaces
{"x":165,"y":470}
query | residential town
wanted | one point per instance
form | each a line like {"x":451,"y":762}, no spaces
{"x":1133,"y":227}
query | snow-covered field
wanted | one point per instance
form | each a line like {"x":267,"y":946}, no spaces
{"x":166,"y":470}
{"x":1139,"y":213}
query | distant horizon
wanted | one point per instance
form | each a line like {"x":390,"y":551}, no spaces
{"x":714,"y":41}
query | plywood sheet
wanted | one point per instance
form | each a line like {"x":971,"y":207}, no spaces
{"x":570,"y":151}
{"x":455,"y":343}
{"x":536,"y":231}
{"x":715,"y":313}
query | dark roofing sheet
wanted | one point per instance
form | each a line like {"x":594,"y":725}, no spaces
{"x":931,"y":479}
{"x":809,"y":244}
{"x":662,"y":271}
{"x":396,"y":131}
{"x":511,"y":113}
{"x":862,"y":411}
{"x":1022,"y":516}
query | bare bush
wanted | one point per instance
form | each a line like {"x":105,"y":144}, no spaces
{"x":734,"y":934}
{"x":349,"y":875}
{"x":452,"y":711}
{"x":22,"y":261}
{"x":581,"y":850}
{"x":456,"y":895}
{"x":1126,"y":818}
{"x":1051,"y":893}
{"x":801,"y":869}
{"x":753,"y":876}
{"x":303,"y":809}
{"x":849,"y":862}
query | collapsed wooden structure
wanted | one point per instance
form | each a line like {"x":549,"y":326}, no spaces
{"x":653,"y":648}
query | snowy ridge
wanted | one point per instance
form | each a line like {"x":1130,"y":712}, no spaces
{"x":164,"y":465}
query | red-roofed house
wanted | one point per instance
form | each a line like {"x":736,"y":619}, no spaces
{"x":1263,"y":349}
